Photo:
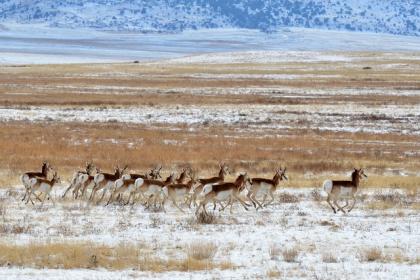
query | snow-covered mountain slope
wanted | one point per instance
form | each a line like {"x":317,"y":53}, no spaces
{"x":385,"y":16}
{"x":23,"y":44}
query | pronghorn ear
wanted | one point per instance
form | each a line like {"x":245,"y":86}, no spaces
{"x":285,"y":168}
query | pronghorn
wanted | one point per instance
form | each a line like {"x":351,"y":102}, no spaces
{"x":127,"y":183}
{"x":152,"y":188}
{"x":224,"y":192}
{"x":26,"y":177}
{"x":179,"y":190}
{"x":42,"y":186}
{"x":265,"y":187}
{"x":343,"y":189}
{"x":86,"y":181}
{"x":183,"y":176}
{"x":208,"y":182}
{"x":76,"y":180}
{"x":153,"y":174}
{"x":105,"y":182}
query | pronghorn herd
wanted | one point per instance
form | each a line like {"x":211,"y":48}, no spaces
{"x":187,"y":188}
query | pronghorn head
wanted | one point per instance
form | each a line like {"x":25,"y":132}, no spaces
{"x":155,"y":173}
{"x":241,"y":181}
{"x":89,"y":167}
{"x":45,"y":167}
{"x":118,"y":171}
{"x":224,"y":170}
{"x":283,"y":174}
{"x":56,"y":178}
{"x":170,"y":178}
{"x":280,"y":174}
{"x":359,"y":173}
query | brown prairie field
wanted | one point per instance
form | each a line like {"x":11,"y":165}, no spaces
{"x":309,"y":150}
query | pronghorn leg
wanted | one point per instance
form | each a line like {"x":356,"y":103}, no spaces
{"x":203,"y":205}
{"x":354,"y":202}
{"x":64,"y":194}
{"x":249,"y":195}
{"x":254,"y":199}
{"x":51,"y":198}
{"x":148,"y":202}
{"x":271,"y":194}
{"x":227,"y":204}
{"x":177,"y":206}
{"x":110,"y":198}
{"x":102,"y":197}
{"x":92,"y":194}
{"x":76,"y":190}
{"x":26,"y":192}
{"x":338,"y":206}
{"x":29,"y":198}
{"x":45,"y":197}
{"x":241,"y":201}
{"x":129,"y":197}
{"x":329,"y":202}
{"x":264,"y":198}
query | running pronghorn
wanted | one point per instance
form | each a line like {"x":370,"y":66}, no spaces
{"x":43,"y":186}
{"x":153,"y":174}
{"x":127,"y":184}
{"x":105,"y":182}
{"x":343,"y":189}
{"x":224,"y":192}
{"x":26,"y":177}
{"x":76,"y":180}
{"x":86,"y":180}
{"x":183,"y":176}
{"x":224,"y":170}
{"x":152,"y":189}
{"x":179,"y":191}
{"x":265,"y":187}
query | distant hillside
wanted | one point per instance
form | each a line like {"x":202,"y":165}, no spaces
{"x":387,"y":16}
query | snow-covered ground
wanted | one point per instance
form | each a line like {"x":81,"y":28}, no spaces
{"x":339,"y":117}
{"x":244,"y":237}
{"x":28,"y":44}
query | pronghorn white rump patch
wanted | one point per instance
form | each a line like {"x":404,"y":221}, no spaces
{"x":328,"y":186}
{"x":119,"y":183}
{"x":207,"y":189}
{"x":98,"y":178}
{"x":138,"y":183}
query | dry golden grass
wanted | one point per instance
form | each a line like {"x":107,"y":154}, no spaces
{"x":273,"y":273}
{"x":201,"y":250}
{"x":290,"y":254}
{"x":371,"y":254}
{"x":90,"y":256}
{"x":67,"y":146}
